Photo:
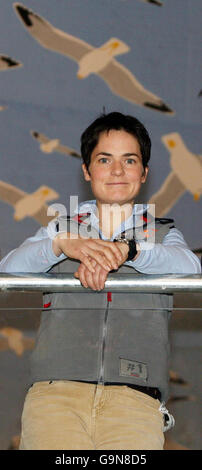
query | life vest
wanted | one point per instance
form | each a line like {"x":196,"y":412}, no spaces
{"x":105,"y":337}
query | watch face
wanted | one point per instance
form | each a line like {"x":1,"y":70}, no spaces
{"x":124,"y":240}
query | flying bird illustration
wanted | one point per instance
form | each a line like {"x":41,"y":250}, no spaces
{"x":12,"y":338}
{"x":15,"y":442}
{"x":53,"y":145}
{"x":175,"y":378}
{"x":6,"y":63}
{"x":28,"y":205}
{"x":155,"y":2}
{"x":99,"y":60}
{"x":186,"y":175}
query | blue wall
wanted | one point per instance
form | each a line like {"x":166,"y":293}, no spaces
{"x":45,"y":95}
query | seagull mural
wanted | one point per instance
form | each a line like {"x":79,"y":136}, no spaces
{"x":6,"y":63}
{"x":90,"y":60}
{"x":155,"y":2}
{"x":185,"y":175}
{"x":53,"y":145}
{"x":14,"y":339}
{"x":28,"y":205}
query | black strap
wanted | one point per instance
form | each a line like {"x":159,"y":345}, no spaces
{"x":151,"y":391}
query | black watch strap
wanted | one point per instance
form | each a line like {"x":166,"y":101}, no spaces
{"x":131,"y":245}
{"x":132,"y":250}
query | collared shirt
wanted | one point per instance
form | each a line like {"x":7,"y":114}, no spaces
{"x":172,"y":256}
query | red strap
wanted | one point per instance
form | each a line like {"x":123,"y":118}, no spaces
{"x":47,"y":305}
{"x":109,"y":296}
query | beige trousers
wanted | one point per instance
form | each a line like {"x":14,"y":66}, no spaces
{"x":74,"y":415}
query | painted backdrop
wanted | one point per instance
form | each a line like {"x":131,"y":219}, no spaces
{"x":61,"y":64}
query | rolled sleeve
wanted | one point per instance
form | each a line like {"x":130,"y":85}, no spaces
{"x":34,"y":255}
{"x":173,"y":256}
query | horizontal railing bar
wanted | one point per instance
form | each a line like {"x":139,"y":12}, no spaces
{"x":183,"y":309}
{"x":115,"y":282}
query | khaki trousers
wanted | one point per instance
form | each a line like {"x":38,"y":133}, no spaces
{"x":74,"y":415}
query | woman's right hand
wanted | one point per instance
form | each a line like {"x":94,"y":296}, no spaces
{"x":107,"y":254}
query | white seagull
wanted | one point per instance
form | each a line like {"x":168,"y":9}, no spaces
{"x":155,"y":2}
{"x":53,"y":145}
{"x":14,"y":339}
{"x":99,"y":60}
{"x":186,"y":175}
{"x":6,"y":63}
{"x":28,"y":205}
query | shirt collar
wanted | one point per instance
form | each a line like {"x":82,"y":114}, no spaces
{"x":90,"y":207}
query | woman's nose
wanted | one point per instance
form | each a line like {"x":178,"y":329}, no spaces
{"x":117,"y":168}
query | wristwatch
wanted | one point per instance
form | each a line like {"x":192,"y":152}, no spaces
{"x":132,"y":251}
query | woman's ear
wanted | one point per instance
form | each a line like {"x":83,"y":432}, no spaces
{"x":86,"y":173}
{"x":145,"y":173}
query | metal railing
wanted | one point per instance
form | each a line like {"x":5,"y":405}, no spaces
{"x":169,"y":283}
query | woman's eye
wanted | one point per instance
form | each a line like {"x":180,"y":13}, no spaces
{"x":130,"y":161}
{"x":103,"y":160}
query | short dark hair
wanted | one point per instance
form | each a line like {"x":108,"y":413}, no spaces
{"x":115,"y":121}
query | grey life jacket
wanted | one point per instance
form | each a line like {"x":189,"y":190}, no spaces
{"x":105,"y":337}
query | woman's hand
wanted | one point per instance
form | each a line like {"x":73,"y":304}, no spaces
{"x":96,"y":280}
{"x":108,"y":255}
